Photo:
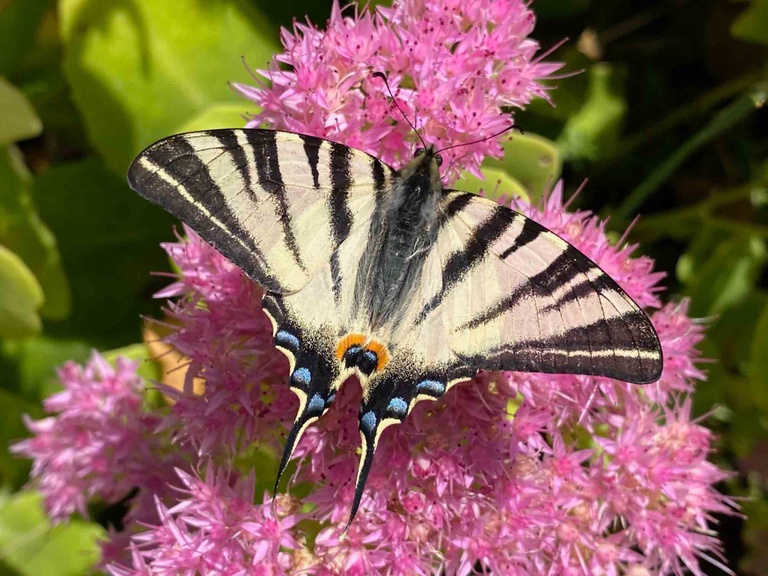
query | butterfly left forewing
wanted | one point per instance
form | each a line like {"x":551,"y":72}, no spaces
{"x":276,"y":204}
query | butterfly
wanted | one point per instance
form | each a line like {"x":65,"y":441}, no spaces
{"x":385,"y":275}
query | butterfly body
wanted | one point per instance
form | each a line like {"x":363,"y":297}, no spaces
{"x":403,"y":228}
{"x":384,"y":275}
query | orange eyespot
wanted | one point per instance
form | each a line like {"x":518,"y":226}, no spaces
{"x":363,"y":341}
{"x":381,"y":353}
{"x":347,"y":341}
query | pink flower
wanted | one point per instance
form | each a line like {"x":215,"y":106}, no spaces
{"x":245,"y":393}
{"x":99,"y":442}
{"x":524,"y":473}
{"x":452,"y":67}
{"x":215,"y":529}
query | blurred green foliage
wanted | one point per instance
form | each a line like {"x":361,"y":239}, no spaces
{"x":659,"y":106}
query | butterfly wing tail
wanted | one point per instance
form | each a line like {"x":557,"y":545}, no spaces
{"x":388,"y":399}
{"x":315,"y":374}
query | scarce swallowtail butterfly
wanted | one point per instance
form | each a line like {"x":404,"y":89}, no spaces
{"x":385,"y":275}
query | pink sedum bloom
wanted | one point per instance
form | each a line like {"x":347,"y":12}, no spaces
{"x":98,"y":442}
{"x":101,"y":444}
{"x":215,"y":529}
{"x":453,"y":66}
{"x":524,"y":473}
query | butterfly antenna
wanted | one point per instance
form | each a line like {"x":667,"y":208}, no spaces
{"x":484,"y":139}
{"x":383,"y":77}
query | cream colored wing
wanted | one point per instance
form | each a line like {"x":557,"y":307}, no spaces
{"x":501,"y":292}
{"x":276,"y":204}
{"x":518,"y":297}
{"x":309,"y":327}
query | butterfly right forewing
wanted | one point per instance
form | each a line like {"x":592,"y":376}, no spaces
{"x":534,"y":303}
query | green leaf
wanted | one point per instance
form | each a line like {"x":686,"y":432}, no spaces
{"x":20,"y":121}
{"x":23,"y":232}
{"x":20,"y":297}
{"x":531,"y":160}
{"x":752,"y":24}
{"x":728,"y":275}
{"x":139,"y":69}
{"x":29,"y":365}
{"x":110,"y":242}
{"x":739,"y":109}
{"x":734,"y":331}
{"x":19,"y":22}
{"x":680,"y":224}
{"x":496,"y":184}
{"x":758,"y":369}
{"x":222,"y":115}
{"x":595,"y":129}
{"x":147,"y":369}
{"x":755,"y":510}
{"x":699,"y":250}
{"x":14,"y":470}
{"x":32,"y":546}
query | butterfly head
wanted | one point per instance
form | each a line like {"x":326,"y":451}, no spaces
{"x":423,"y":172}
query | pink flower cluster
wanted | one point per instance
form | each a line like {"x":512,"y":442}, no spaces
{"x":189,"y":538}
{"x":100,"y":444}
{"x":453,"y":66}
{"x":511,"y":473}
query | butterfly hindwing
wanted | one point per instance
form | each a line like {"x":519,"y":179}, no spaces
{"x":308,"y":326}
{"x":276,"y":204}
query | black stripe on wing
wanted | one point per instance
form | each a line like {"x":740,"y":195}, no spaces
{"x":531,"y":230}
{"x":312,"y":150}
{"x":338,"y":210}
{"x":625,"y":347}
{"x":562,"y":270}
{"x":476,"y":248}
{"x":264,"y":143}
{"x":171,"y":174}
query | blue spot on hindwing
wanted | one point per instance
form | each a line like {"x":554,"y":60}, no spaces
{"x":368,"y":422}
{"x":353,"y":350}
{"x":330,"y":399}
{"x":398,"y":406}
{"x":286,"y":340}
{"x":433,"y":387}
{"x":301,"y":376}
{"x":316,"y":403}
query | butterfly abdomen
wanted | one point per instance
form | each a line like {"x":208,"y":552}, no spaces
{"x":404,"y":228}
